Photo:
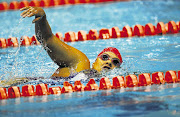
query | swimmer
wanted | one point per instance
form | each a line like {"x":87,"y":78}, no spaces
{"x":70,"y":60}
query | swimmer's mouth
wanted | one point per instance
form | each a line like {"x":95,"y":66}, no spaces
{"x":106,"y":67}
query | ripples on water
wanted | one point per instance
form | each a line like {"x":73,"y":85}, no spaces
{"x":148,"y":101}
{"x":145,"y":54}
{"x":140,"y":54}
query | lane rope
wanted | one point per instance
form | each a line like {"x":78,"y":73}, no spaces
{"x":15,"y":5}
{"x":118,"y":82}
{"x":149,"y":29}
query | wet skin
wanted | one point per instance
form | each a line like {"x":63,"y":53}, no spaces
{"x":105,"y":65}
{"x":69,"y":59}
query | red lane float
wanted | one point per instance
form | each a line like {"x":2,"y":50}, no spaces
{"x":25,"y":41}
{"x":158,"y":78}
{"x":44,"y":3}
{"x":95,"y":1}
{"x":14,"y":92}
{"x":53,"y":2}
{"x":3,"y":43}
{"x":34,"y":3}
{"x":55,"y":90}
{"x":41,"y":89}
{"x":115,"y":32}
{"x":14,"y":5}
{"x":105,"y":84}
{"x":78,"y":86}
{"x":161,"y":28}
{"x":60,"y":36}
{"x":144,"y":79}
{"x":74,"y":1}
{"x":150,"y":29}
{"x":83,"y":1}
{"x":91,"y":85}
{"x":64,"y":2}
{"x":67,"y":87}
{"x":127,"y":31}
{"x":171,"y":77}
{"x":104,"y":33}
{"x":23,"y":4}
{"x":70,"y":37}
{"x":118,"y":82}
{"x":131,"y":81}
{"x":172,"y":27}
{"x":33,"y":40}
{"x":28,"y":90}
{"x":3,"y":6}
{"x":139,"y":30}
{"x":93,"y":35}
{"x":178,"y":25}
{"x":12,"y":41}
{"x":82,"y":36}
{"x":3,"y":93}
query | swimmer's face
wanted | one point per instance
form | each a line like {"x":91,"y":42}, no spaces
{"x":107,"y":61}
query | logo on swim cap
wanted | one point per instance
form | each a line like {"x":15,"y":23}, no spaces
{"x":114,"y":50}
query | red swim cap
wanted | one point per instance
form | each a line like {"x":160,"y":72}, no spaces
{"x":114,"y":50}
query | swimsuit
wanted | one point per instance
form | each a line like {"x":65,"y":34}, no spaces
{"x":83,"y":76}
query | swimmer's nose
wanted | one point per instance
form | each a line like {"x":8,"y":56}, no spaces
{"x":110,"y":65}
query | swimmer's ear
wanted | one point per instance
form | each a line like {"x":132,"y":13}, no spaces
{"x":36,"y":20}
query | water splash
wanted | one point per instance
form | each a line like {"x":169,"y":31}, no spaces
{"x":12,"y":57}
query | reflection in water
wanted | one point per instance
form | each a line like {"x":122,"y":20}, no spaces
{"x":28,"y":99}
{"x":117,"y":102}
{"x":17,"y":101}
{"x":43,"y":98}
{"x":3,"y":102}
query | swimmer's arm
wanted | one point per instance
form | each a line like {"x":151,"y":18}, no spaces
{"x":51,"y":44}
{"x":61,"y":53}
{"x":68,"y":58}
{"x":65,"y":55}
{"x":42,"y":28}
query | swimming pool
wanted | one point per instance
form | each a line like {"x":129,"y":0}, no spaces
{"x":140,"y":55}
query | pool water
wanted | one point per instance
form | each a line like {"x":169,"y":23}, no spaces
{"x":140,"y":55}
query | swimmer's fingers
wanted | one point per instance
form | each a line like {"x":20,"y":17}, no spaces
{"x":24,"y":8}
{"x":32,"y":11}
{"x":27,"y":9}
{"x":25,"y":12}
{"x":29,"y":12}
{"x":36,"y":20}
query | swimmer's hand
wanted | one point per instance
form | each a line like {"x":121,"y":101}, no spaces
{"x":33,"y":11}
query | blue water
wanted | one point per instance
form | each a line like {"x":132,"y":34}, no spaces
{"x":140,"y":54}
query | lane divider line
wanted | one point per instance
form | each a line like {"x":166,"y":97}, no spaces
{"x":118,"y":82}
{"x":15,"y":5}
{"x":148,"y":30}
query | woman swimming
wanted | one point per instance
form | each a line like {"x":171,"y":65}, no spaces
{"x":71,"y":61}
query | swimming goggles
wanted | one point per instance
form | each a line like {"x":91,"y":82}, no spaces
{"x":115,"y":61}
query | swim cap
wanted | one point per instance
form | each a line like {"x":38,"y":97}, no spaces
{"x":114,"y":50}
